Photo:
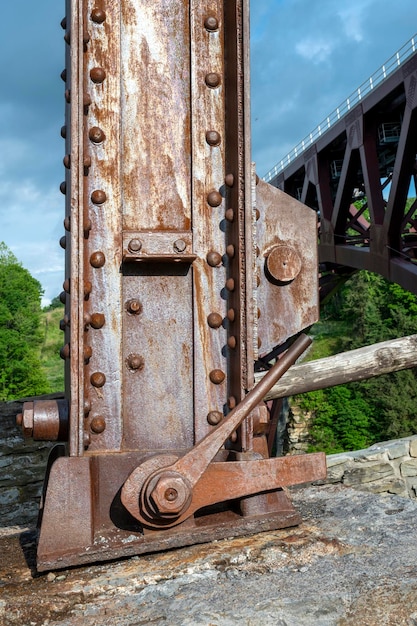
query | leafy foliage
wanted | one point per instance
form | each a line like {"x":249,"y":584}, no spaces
{"x":51,"y":362}
{"x":354,"y":416}
{"x":20,"y":337}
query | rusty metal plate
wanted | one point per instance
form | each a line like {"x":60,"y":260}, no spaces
{"x":287,"y":294}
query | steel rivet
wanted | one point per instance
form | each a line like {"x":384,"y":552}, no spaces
{"x":230,"y":251}
{"x":135,"y":245}
{"x":213,"y":137}
{"x":259,"y":312}
{"x":64,"y":23}
{"x":97,"y":320}
{"x":87,"y":162}
{"x":64,"y":353}
{"x":67,"y":161}
{"x":231,"y":315}
{"x":64,"y":75}
{"x":97,"y":259}
{"x":63,"y":297}
{"x":214,"y":320}
{"x":63,"y":187}
{"x":230,"y":284}
{"x":214,"y":418}
{"x":96,"y":134}
{"x":63,"y":132}
{"x":88,"y":287}
{"x":98,"y":379}
{"x":134,"y":306}
{"x":98,"y":196}
{"x":230,"y":215}
{"x":86,"y":439}
{"x":231,"y":402}
{"x":213,"y":258}
{"x":229,"y":180}
{"x":98,"y":16}
{"x":98,"y":424}
{"x":63,"y":242}
{"x":257,"y":214}
{"x":67,"y":95}
{"x":86,"y":320}
{"x":86,"y":38}
{"x":67,"y":38}
{"x":212,"y":80}
{"x":135,"y":362}
{"x":86,"y":227}
{"x":217,"y":376}
{"x":233,"y":437}
{"x":214,"y":198}
{"x":259,"y":342}
{"x":87,"y":406}
{"x":257,"y":179}
{"x":86,"y":102}
{"x":211,"y":23}
{"x":67,"y":223}
{"x":232,"y":342}
{"x":62,"y":325}
{"x":88,"y":353}
{"x":179,"y":245}
{"x":97,"y":75}
{"x":66,"y":285}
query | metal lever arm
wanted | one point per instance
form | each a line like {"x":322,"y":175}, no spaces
{"x":196,"y":461}
{"x":159,"y":493}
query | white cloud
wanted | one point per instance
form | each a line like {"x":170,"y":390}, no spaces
{"x":31,"y":224}
{"x":354,"y":19}
{"x":316,"y":50}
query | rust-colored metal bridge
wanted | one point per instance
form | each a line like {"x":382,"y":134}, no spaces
{"x":364,"y":151}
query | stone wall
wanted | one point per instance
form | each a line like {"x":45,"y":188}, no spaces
{"x":22,"y":469}
{"x":384,"y":468}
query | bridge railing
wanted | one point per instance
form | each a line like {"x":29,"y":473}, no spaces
{"x":363,"y":90}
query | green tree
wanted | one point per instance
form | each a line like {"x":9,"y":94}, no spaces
{"x":20,"y":336}
{"x":354,"y":416}
{"x":54,"y":304}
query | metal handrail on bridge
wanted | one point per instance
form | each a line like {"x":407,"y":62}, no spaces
{"x":373,"y":81}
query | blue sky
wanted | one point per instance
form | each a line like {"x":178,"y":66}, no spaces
{"x":307,"y":57}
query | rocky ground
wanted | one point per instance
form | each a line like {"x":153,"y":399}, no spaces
{"x":353,"y":561}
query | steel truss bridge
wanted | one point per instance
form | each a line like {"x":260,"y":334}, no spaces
{"x":357,"y":170}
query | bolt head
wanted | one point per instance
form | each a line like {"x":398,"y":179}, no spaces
{"x":180,"y":245}
{"x":27,"y":419}
{"x":134,"y":306}
{"x":135,"y":245}
{"x":171,"y":494}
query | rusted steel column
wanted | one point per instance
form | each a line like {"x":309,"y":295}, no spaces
{"x":159,"y":207}
{"x":165,"y":250}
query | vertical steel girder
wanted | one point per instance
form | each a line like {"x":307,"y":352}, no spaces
{"x":176,"y":262}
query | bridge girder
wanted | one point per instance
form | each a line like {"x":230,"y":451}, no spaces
{"x":368,"y":156}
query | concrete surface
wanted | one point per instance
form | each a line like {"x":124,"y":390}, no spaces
{"x":353,"y":561}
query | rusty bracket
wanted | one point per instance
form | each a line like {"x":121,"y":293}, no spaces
{"x":160,"y":492}
{"x":154,"y":246}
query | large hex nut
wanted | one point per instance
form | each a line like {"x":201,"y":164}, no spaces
{"x":171,"y":494}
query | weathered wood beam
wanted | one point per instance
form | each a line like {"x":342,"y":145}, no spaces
{"x":346,"y":367}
